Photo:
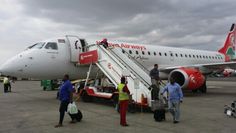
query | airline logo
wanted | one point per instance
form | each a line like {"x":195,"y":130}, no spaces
{"x":126,"y":45}
{"x":88,"y":57}
{"x":229,"y":47}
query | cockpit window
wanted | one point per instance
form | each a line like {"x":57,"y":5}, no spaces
{"x":37,"y":45}
{"x":51,"y":45}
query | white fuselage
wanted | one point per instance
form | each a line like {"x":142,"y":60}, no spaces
{"x":170,"y":57}
{"x":44,"y":63}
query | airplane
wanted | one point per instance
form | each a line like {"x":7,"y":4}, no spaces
{"x":52,"y":58}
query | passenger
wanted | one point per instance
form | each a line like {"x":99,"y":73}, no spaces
{"x":154,"y":74}
{"x":123,"y":100}
{"x":6,"y":83}
{"x":175,"y":98}
{"x":104,"y":43}
{"x":65,"y":96}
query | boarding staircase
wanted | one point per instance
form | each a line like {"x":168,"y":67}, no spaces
{"x":115,"y":63}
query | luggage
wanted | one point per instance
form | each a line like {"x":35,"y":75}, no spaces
{"x":159,"y":115}
{"x":72,"y":108}
{"x":158,"y":107}
{"x":159,"y":104}
{"x":78,"y":116}
{"x":230,"y":110}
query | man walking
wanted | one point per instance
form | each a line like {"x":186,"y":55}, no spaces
{"x":65,"y":96}
{"x":175,"y":98}
{"x":154,"y":74}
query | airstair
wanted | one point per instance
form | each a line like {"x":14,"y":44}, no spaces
{"x":115,"y":63}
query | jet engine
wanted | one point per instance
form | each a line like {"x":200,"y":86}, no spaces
{"x":189,"y":78}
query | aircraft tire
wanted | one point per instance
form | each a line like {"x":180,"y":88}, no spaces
{"x":195,"y":91}
{"x":86,"y":97}
{"x":132,"y":108}
{"x":115,"y":100}
{"x":203,"y":88}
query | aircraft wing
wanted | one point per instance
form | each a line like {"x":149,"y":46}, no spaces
{"x":204,"y":67}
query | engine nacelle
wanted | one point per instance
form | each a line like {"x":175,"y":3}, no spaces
{"x":188,"y":78}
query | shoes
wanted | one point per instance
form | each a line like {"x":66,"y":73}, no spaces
{"x":175,"y":122}
{"x":124,"y":125}
{"x":58,"y":125}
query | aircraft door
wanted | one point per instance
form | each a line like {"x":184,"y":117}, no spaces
{"x":83,"y":45}
{"x":74,"y":47}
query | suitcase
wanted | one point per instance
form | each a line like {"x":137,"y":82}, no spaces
{"x":159,"y":115}
{"x":78,"y":117}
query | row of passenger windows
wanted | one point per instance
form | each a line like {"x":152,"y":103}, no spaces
{"x":178,"y":55}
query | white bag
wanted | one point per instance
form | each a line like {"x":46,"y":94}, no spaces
{"x":72,"y":108}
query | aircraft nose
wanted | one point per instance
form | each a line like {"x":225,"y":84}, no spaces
{"x":5,"y":68}
{"x":10,"y":67}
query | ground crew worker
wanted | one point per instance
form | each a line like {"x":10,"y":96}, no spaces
{"x":175,"y":98}
{"x":65,"y":96}
{"x":154,"y":74}
{"x":123,"y":100}
{"x":6,"y":83}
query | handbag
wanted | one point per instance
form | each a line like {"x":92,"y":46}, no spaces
{"x":72,"y":108}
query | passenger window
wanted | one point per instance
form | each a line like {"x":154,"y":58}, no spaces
{"x":51,"y":45}
{"x":171,"y":54}
{"x":193,"y":56}
{"x":130,"y":52}
{"x":186,"y":56}
{"x":154,"y":53}
{"x":181,"y":55}
{"x":136,"y":52}
{"x":189,"y":56}
{"x":197,"y":56}
{"x":176,"y":55}
{"x":160,"y":53}
{"x":149,"y":53}
{"x":123,"y":51}
{"x":143,"y":52}
{"x":165,"y":54}
{"x":203,"y":56}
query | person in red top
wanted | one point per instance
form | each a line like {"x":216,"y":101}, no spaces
{"x":123,"y":100}
{"x":104,"y":43}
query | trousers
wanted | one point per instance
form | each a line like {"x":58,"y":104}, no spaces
{"x":123,"y":109}
{"x":174,"y":108}
{"x":62,"y":110}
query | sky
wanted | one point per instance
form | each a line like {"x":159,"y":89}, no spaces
{"x":197,"y":24}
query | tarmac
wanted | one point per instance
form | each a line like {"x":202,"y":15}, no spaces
{"x":29,"y":109}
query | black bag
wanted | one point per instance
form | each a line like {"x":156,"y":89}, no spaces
{"x":159,"y":115}
{"x":77,"y":116}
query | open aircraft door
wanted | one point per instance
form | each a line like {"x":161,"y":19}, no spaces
{"x":76,"y":46}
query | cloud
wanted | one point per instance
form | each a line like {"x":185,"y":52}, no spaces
{"x":181,"y":23}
